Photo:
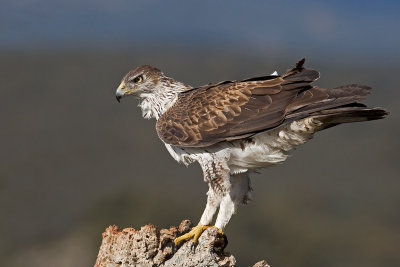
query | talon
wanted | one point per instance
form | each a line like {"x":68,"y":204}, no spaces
{"x":222,"y":241}
{"x":225,"y":241}
{"x":195,"y":233}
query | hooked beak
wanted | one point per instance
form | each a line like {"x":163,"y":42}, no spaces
{"x":120,"y":93}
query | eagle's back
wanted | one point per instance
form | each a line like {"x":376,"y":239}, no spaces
{"x":233,"y":110}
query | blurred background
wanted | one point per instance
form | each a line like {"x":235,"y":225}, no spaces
{"x":73,"y":160}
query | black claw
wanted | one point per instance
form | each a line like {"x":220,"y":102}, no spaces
{"x":193,"y":247}
{"x":225,"y":241}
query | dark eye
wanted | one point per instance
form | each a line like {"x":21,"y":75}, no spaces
{"x":138,"y":79}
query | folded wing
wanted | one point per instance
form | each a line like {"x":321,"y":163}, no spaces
{"x":232,"y":110}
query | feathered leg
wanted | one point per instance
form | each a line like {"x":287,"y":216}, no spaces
{"x":239,"y":193}
{"x":213,"y":202}
{"x":216,"y":173}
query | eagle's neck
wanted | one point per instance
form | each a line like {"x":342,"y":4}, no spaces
{"x":157,"y":102}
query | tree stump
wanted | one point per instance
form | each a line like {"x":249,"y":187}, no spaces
{"x":152,"y":247}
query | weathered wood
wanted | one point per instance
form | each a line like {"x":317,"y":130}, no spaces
{"x":152,"y":247}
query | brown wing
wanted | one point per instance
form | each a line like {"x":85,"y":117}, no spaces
{"x":232,"y":110}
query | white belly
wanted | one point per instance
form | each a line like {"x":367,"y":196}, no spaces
{"x":261,"y":150}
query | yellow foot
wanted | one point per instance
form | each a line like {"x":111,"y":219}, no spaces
{"x":195,"y":233}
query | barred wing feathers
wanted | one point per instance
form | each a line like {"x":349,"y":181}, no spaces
{"x":233,"y":110}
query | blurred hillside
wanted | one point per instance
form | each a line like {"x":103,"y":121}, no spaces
{"x":73,"y":160}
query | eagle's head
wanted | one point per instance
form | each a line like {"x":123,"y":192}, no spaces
{"x":139,"y":82}
{"x":155,"y":91}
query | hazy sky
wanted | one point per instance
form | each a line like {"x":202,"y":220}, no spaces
{"x":328,"y":26}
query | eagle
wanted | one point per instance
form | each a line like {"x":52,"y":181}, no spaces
{"x":235,"y":128}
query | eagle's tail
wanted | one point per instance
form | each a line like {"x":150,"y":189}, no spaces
{"x":346,"y":114}
{"x":328,"y":106}
{"x":344,"y":108}
{"x":340,"y":106}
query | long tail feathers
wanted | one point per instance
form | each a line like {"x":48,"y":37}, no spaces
{"x":346,"y":114}
{"x":328,"y":106}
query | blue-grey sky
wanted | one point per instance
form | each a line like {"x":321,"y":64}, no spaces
{"x":350,"y":27}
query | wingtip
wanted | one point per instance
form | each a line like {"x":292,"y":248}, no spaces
{"x":385,"y":113}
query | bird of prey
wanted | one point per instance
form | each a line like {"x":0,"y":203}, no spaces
{"x":234,"y":128}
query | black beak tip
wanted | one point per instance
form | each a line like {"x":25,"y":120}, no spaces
{"x":118,"y":98}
